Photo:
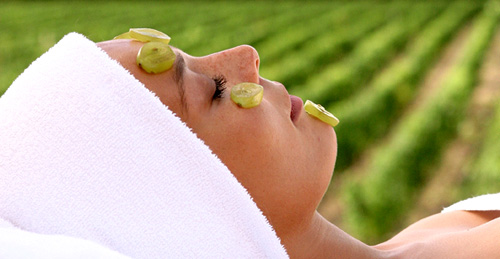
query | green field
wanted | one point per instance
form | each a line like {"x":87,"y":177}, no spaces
{"x":414,"y":83}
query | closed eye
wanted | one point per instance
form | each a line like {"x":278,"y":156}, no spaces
{"x":220,"y":87}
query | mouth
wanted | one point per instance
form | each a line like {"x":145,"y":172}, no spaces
{"x":297,"y":105}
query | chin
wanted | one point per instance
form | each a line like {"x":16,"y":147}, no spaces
{"x":328,"y":142}
{"x":334,"y":147}
{"x":330,"y":146}
{"x":322,"y":141}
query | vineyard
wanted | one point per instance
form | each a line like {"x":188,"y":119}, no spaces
{"x":415,"y":84}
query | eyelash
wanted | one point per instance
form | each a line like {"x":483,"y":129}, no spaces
{"x":220,"y":86}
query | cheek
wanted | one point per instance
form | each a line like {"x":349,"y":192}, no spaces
{"x":285,"y":169}
{"x":266,"y":152}
{"x":249,"y":142}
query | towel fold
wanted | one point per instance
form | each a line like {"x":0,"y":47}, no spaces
{"x":86,"y":151}
{"x":16,"y":243}
{"x":480,"y":203}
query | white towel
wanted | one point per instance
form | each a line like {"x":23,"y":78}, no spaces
{"x":86,"y":151}
{"x":17,"y":243}
{"x":480,"y":203}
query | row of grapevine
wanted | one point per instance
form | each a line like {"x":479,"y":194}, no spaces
{"x":274,"y":48}
{"x":294,"y":68}
{"x":338,"y":80}
{"x":205,"y":38}
{"x":416,"y":144}
{"x":367,"y":115}
{"x":483,"y":173}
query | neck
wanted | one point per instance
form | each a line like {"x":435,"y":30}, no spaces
{"x":322,"y":239}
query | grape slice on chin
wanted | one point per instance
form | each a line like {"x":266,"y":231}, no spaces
{"x":155,"y":57}
{"x":247,"y":95}
{"x":320,"y":113}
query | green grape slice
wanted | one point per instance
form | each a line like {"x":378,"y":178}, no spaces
{"x":155,"y":57}
{"x":125,"y":35}
{"x":320,"y":113}
{"x":247,"y":95}
{"x":147,"y":35}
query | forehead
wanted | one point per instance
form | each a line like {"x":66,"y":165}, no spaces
{"x":164,"y":85}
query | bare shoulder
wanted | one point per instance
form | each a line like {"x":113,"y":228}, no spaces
{"x":457,"y":234}
{"x":455,"y":220}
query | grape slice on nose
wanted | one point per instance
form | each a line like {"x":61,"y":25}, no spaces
{"x":155,"y":57}
{"x":247,"y":95}
{"x":321,"y":113}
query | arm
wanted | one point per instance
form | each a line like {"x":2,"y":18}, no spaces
{"x":458,"y":234}
{"x":482,"y":241}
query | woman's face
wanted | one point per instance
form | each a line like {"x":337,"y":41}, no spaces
{"x":284,"y":159}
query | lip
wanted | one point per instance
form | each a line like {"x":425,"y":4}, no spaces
{"x":296,"y":109}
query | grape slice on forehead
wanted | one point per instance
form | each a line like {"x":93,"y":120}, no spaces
{"x":155,"y":57}
{"x":147,"y":34}
{"x":144,"y":35}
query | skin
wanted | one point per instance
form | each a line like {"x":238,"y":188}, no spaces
{"x":250,"y":142}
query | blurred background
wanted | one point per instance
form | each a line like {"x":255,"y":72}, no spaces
{"x":415,"y":84}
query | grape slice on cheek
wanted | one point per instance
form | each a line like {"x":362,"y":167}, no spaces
{"x":247,"y":95}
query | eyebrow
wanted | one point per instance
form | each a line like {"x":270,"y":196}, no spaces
{"x":180,"y":65}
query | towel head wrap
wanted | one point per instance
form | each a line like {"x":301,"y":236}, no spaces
{"x":86,"y":151}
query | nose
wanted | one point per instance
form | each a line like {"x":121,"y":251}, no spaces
{"x":249,"y":56}
{"x":239,"y":64}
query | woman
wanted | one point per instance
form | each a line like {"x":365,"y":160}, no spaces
{"x":283,"y":157}
{"x":248,"y":141}
{"x":279,"y":130}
